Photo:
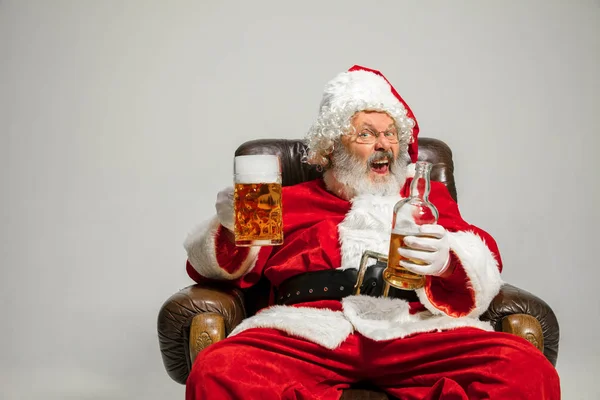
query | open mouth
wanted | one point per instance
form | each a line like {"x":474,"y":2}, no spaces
{"x":380,"y":166}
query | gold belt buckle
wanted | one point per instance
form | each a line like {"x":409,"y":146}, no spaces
{"x":370,"y":255}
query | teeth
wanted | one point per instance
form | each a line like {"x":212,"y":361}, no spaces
{"x":380,"y":162}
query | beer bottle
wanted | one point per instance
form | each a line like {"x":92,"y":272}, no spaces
{"x":409,"y":213}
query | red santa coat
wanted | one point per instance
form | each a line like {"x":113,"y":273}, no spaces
{"x":323,"y":231}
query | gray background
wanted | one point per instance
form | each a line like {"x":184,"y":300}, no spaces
{"x":119,"y":120}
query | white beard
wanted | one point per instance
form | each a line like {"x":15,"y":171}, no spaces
{"x":349,"y":176}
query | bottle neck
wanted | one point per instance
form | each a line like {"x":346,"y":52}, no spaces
{"x":421,"y":185}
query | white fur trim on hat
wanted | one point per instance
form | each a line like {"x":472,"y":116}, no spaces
{"x":347,"y":94}
{"x":360,"y":87}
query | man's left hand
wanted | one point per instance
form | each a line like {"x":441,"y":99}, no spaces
{"x":429,"y":251}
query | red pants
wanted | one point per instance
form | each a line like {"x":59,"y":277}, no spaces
{"x":464,"y":363}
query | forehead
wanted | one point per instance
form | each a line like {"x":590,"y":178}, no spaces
{"x":376,"y":119}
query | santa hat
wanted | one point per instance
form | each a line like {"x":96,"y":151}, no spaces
{"x":361,"y":89}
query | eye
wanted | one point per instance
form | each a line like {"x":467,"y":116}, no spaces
{"x":391,"y":135}
{"x":365,"y":134}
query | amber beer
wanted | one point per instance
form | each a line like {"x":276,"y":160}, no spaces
{"x":409,"y":214}
{"x":258,"y":214}
{"x":257,"y":201}
{"x":396,"y":275}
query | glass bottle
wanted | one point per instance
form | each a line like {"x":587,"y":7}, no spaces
{"x":409,"y":213}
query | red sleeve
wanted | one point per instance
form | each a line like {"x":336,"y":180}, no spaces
{"x":212,"y":256}
{"x":475,"y":264}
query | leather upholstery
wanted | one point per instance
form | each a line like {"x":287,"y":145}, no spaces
{"x":175,"y":319}
{"x":512,"y":300}
{"x":177,"y":313}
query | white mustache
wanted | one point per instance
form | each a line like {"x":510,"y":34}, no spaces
{"x":379,"y":156}
{"x":353,"y":173}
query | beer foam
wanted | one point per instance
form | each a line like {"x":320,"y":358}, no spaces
{"x":257,"y":178}
{"x":257,"y":168}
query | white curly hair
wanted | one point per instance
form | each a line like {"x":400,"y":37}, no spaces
{"x":344,"y":96}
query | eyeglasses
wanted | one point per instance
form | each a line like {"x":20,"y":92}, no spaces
{"x":367,"y":136}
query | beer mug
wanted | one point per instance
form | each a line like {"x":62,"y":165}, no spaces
{"x":257,"y":201}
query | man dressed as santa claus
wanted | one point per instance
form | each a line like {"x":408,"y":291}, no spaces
{"x":318,"y":338}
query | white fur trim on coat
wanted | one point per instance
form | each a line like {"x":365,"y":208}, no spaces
{"x":410,"y":170}
{"x":377,"y":318}
{"x":200,"y":247}
{"x":481,"y":268}
{"x":367,"y":226}
{"x":325,"y":327}
{"x":382,"y":318}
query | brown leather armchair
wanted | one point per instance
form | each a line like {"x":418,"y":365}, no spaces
{"x":197,"y":316}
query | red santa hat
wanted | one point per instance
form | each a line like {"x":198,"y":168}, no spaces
{"x":360,"y":89}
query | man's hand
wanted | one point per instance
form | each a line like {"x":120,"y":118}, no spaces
{"x":224,"y":206}
{"x":431,"y":249}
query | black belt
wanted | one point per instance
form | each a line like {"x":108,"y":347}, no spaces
{"x":333,"y":284}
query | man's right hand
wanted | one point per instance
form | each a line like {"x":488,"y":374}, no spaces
{"x":224,"y":206}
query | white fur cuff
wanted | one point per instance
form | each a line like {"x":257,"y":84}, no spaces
{"x":200,"y":246}
{"x":481,"y":268}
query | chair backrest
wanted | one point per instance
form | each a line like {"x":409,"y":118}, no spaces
{"x":294,"y":170}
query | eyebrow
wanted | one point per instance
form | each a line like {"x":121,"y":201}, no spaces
{"x":368,"y":125}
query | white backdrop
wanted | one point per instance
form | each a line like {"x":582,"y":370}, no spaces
{"x":119,"y":120}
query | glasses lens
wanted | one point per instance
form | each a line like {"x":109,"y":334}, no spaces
{"x":367,"y":137}
{"x":393,"y":138}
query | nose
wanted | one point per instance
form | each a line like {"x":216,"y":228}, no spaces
{"x":382,"y":143}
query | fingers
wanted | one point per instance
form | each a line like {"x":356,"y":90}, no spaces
{"x":224,"y":207}
{"x":436,"y":268}
{"x":426,"y":255}
{"x":413,"y":267}
{"x":225,"y":195}
{"x":422,"y":243}
{"x":433,"y":230}
{"x":417,"y":256}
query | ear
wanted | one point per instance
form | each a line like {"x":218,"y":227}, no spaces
{"x":327,"y":155}
{"x":327,"y":162}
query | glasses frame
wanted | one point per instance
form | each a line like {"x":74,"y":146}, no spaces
{"x":373,"y":136}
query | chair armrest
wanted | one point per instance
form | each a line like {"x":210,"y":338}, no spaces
{"x":220,"y":310}
{"x":504,"y":312}
{"x":525,"y":326}
{"x":207,"y":328}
